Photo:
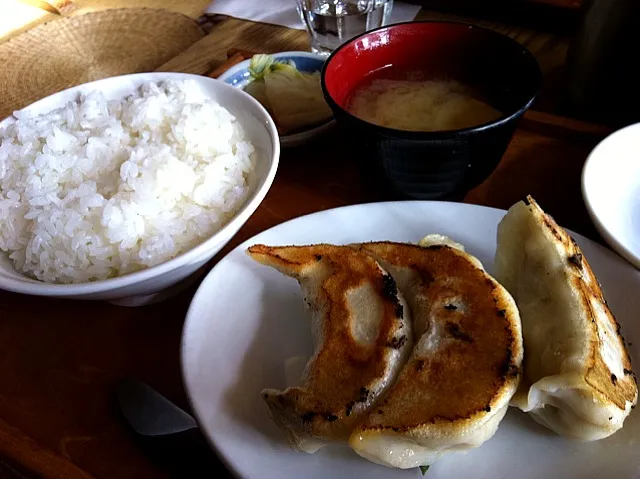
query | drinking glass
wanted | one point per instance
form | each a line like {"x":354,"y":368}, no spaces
{"x":330,"y":23}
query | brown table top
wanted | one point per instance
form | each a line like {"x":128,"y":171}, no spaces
{"x":60,"y":360}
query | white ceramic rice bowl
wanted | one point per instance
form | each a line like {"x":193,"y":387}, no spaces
{"x":147,"y":285}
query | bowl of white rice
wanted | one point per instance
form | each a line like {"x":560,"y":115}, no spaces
{"x":122,"y":188}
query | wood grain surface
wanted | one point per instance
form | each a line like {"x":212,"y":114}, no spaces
{"x":209,"y":53}
{"x":32,"y":457}
{"x":61,"y":360}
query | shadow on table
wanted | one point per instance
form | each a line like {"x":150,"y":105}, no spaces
{"x":550,"y":172}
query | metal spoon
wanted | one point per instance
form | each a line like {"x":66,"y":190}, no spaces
{"x":149,"y":412}
{"x":167,"y":433}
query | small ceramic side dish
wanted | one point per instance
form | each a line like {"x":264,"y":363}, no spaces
{"x":611,"y":191}
{"x":239,"y":76}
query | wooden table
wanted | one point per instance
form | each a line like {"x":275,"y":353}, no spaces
{"x":61,"y":360}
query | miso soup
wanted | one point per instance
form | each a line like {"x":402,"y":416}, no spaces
{"x":413,"y":103}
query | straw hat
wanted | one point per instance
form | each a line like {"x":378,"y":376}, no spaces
{"x":75,"y":50}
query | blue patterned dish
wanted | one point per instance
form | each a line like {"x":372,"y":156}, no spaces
{"x":238,"y":76}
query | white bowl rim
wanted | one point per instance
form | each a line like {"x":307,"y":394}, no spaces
{"x":35,"y":287}
{"x":300,"y":137}
{"x":601,"y":226}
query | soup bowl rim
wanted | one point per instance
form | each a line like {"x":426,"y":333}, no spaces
{"x":340,"y":111}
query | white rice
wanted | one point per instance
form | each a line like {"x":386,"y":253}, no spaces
{"x":103,"y":188}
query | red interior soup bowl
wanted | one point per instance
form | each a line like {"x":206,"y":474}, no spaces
{"x":415,"y":154}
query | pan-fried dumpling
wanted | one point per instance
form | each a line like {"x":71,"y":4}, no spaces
{"x":577,"y":372}
{"x":438,"y":239}
{"x":363,"y":336}
{"x":456,"y":386}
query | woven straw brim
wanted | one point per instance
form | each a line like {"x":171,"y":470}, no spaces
{"x":75,"y":50}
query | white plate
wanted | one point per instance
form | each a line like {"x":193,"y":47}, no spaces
{"x":611,"y":191}
{"x":247,"y":319}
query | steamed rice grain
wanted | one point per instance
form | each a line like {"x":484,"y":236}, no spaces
{"x":103,"y":188}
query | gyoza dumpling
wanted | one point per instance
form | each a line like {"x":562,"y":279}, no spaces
{"x":465,"y":366}
{"x":577,"y":373}
{"x":362,"y":332}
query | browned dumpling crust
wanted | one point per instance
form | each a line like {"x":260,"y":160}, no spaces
{"x":363,"y":336}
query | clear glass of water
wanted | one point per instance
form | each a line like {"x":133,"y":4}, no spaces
{"x":330,"y":23}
